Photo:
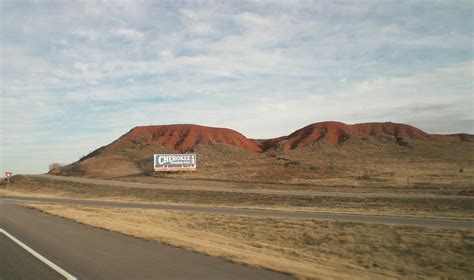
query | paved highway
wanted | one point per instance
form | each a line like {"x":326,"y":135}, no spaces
{"x":394,"y":220}
{"x":90,"y":253}
{"x":16,"y":263}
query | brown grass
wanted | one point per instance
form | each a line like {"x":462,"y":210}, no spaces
{"x":308,"y":249}
{"x":404,"y":206}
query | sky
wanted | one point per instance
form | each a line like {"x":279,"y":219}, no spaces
{"x":77,"y":75}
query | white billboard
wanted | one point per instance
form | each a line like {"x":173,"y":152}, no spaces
{"x":174,"y":162}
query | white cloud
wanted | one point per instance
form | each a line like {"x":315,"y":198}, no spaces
{"x":129,"y":34}
{"x":89,"y":34}
{"x":251,"y":20}
{"x":78,"y":66}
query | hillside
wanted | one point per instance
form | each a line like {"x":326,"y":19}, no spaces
{"x":185,"y":137}
{"x":133,"y":152}
{"x":336,"y":133}
{"x":320,"y":150}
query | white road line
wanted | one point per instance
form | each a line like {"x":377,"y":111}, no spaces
{"x":39,"y":256}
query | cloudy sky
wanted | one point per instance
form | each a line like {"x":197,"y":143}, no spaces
{"x":77,"y":75}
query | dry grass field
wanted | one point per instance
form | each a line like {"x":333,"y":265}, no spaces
{"x":307,"y":249}
{"x":456,"y":207}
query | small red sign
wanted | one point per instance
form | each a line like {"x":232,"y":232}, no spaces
{"x":8,"y":174}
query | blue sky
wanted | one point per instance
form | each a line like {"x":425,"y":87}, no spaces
{"x":77,"y":75}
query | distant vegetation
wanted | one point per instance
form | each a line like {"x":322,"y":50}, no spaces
{"x":55,"y":165}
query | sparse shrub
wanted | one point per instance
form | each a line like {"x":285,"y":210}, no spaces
{"x":402,"y":142}
{"x":282,"y":158}
{"x":364,"y":176}
{"x":54,"y":166}
{"x":291,"y":162}
{"x":92,"y":154}
{"x":332,"y":163}
{"x":467,"y":192}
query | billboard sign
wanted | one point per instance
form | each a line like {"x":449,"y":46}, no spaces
{"x":174,"y":162}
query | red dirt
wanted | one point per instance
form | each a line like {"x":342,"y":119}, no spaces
{"x":397,"y":130}
{"x":462,"y":137}
{"x":336,"y":133}
{"x":183,"y":137}
{"x":333,"y":132}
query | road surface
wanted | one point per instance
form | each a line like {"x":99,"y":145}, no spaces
{"x":393,"y":220}
{"x":16,"y":263}
{"x":91,"y":253}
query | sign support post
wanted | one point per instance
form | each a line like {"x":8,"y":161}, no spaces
{"x":8,"y":175}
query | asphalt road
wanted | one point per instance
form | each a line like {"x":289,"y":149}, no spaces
{"x":392,"y":220}
{"x":91,"y":253}
{"x":18,"y":264}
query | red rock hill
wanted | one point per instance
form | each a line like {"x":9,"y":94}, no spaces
{"x":183,"y":137}
{"x":132,"y":153}
{"x":336,"y":133}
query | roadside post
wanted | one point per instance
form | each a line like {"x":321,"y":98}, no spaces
{"x":8,"y":175}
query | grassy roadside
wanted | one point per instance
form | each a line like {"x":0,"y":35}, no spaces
{"x":433,"y":207}
{"x":352,"y":184}
{"x":308,"y":249}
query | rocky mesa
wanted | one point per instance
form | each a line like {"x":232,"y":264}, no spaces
{"x":132,"y":153}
